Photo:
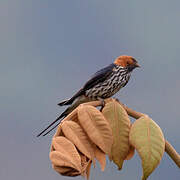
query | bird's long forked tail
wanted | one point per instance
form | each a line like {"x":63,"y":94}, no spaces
{"x":57,"y":119}
{"x":62,"y":116}
{"x":81,"y":100}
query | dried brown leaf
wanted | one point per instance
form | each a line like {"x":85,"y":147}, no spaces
{"x":65,"y":154}
{"x":85,"y":166}
{"x":66,"y":171}
{"x":78,"y":137}
{"x":57,"y":133}
{"x":88,"y":170}
{"x":96,"y":127}
{"x":130,"y":153}
{"x":72,"y":173}
{"x":101,"y":157}
{"x":71,"y":117}
{"x":84,"y":160}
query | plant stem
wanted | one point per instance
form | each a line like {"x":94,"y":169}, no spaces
{"x":172,"y":153}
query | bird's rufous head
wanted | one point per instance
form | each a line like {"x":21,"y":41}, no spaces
{"x":126,"y":62}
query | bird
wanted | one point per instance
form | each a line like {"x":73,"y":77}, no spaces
{"x":103,"y":84}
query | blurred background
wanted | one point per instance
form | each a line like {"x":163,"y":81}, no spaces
{"x":48,"y":49}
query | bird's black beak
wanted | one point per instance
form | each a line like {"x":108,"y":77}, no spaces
{"x":133,"y":66}
{"x":137,"y":65}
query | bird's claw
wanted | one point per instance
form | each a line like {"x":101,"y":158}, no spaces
{"x":102,"y":104}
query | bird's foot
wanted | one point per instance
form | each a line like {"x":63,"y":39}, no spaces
{"x":102,"y":103}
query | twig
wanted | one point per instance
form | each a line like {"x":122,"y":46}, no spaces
{"x":172,"y":153}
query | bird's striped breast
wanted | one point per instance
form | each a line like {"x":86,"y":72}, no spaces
{"x":111,"y":85}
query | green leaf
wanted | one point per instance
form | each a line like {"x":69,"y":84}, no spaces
{"x":120,"y":124}
{"x":147,"y":138}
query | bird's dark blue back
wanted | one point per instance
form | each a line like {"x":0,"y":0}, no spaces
{"x":99,"y":76}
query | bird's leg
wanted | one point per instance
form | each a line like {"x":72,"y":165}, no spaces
{"x":102,"y":103}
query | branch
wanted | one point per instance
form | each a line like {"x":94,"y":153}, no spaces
{"x":172,"y":153}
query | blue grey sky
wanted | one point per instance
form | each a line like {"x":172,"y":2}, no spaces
{"x":48,"y":49}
